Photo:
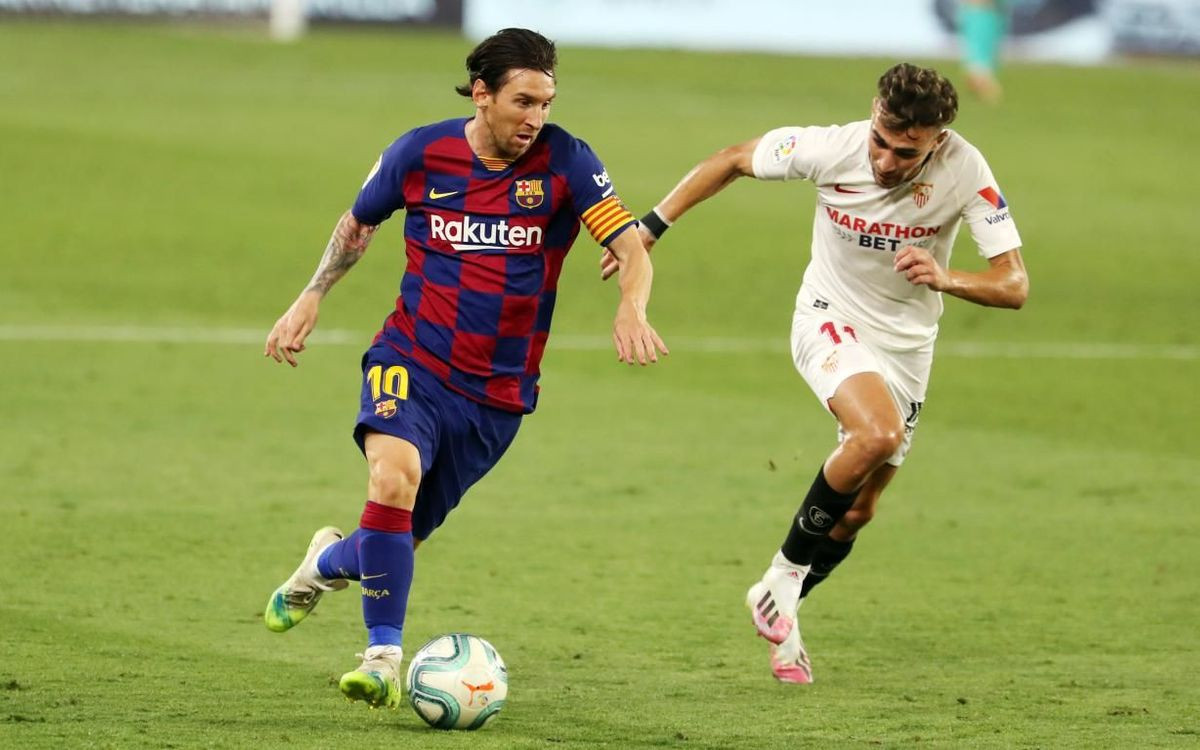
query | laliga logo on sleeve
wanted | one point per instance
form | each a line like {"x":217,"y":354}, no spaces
{"x":783,"y":150}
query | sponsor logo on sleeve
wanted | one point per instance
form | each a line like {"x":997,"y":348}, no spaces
{"x":993,"y":196}
{"x":601,"y":179}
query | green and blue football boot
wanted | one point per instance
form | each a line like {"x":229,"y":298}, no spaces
{"x":299,"y":594}
{"x":377,"y":679}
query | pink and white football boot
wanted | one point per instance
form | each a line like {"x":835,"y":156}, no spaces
{"x":773,"y":600}
{"x":789,"y":660}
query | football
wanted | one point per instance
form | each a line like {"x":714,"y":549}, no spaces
{"x":457,"y":681}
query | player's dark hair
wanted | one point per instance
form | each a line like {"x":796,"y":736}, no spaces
{"x":913,"y":96}
{"x":508,"y":49}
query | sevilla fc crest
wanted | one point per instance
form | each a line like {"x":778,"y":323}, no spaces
{"x":529,"y":193}
{"x":921,"y":192}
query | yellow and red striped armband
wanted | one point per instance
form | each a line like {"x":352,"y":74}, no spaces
{"x":606,"y":217}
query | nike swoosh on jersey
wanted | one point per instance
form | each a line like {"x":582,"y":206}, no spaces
{"x":838,"y":187}
{"x":434,"y":194}
{"x":367,"y":578}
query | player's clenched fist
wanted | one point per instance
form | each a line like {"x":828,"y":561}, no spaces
{"x":919,"y":267}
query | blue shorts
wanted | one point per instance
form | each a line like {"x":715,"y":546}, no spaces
{"x":459,"y":440}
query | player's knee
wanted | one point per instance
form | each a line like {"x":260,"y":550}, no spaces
{"x":879,"y":442}
{"x":394,"y":484}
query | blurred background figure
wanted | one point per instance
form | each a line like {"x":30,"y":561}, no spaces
{"x":982,"y":25}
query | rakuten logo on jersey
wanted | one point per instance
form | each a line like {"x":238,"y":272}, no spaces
{"x":467,"y":234}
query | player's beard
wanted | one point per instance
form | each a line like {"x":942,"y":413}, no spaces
{"x":891,"y":182}
{"x":508,"y":148}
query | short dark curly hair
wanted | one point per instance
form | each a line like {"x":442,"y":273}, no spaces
{"x":505,"y":50}
{"x":916,"y":97}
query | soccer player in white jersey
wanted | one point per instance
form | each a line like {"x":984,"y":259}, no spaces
{"x":892,"y":192}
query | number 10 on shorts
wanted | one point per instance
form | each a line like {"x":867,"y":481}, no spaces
{"x":393,"y":382}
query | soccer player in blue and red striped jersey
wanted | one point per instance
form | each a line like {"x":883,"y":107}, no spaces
{"x":492,"y":204}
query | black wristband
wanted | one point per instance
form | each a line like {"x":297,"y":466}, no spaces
{"x":655,"y":224}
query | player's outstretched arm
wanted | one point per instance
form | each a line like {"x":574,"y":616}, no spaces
{"x":705,"y":180}
{"x":633,"y":336}
{"x":348,"y":243}
{"x":708,"y":178}
{"x":1003,"y":284}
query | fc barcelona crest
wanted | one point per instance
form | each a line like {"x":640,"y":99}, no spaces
{"x":529,"y":193}
{"x":921,"y":192}
{"x":385,"y":408}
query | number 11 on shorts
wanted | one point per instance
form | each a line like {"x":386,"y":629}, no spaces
{"x":830,"y":330}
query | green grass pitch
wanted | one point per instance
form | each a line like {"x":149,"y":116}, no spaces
{"x":1030,"y":582}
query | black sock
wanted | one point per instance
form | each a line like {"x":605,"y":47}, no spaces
{"x":822,"y":508}
{"x":829,"y":555}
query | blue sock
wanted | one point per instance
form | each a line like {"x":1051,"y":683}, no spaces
{"x":340,"y":559}
{"x":385,"y":557}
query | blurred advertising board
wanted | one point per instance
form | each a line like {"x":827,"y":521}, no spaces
{"x":1164,"y":27}
{"x":444,"y":13}
{"x":1078,"y":31}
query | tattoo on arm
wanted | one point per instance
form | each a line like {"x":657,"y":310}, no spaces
{"x":346,"y":246}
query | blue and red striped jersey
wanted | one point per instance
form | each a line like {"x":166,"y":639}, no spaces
{"x":485,"y":240}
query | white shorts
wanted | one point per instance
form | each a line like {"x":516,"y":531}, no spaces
{"x":827,"y":350}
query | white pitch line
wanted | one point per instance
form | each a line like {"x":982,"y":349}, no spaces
{"x":580,"y":342}
{"x":165,"y":335}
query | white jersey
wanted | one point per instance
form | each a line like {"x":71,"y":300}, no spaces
{"x":859,"y":226}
